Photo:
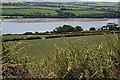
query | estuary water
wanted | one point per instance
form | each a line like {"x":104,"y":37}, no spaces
{"x":16,"y":26}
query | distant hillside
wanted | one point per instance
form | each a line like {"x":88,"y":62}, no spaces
{"x":60,"y":10}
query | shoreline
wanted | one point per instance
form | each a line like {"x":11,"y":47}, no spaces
{"x":35,"y":20}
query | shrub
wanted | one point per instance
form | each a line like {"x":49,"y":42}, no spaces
{"x":22,"y":38}
{"x":49,"y":37}
{"x":32,"y":38}
{"x":115,"y":48}
{"x":28,"y":33}
{"x":14,"y":66}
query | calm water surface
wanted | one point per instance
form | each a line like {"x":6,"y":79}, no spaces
{"x":42,"y":25}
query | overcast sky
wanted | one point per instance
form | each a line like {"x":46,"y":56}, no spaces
{"x":59,"y":0}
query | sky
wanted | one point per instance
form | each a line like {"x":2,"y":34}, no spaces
{"x":59,"y":0}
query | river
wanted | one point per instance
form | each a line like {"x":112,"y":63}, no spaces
{"x":47,"y":24}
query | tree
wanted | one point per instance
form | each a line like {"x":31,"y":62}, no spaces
{"x":36,"y":33}
{"x":112,"y":26}
{"x":28,"y":33}
{"x":58,"y":29}
{"x":68,"y":28}
{"x":92,"y":29}
{"x":47,"y":32}
{"x":118,"y":28}
{"x":104,"y":28}
{"x":78,"y":28}
{"x":64,"y":29}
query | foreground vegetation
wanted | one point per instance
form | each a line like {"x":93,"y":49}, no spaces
{"x":76,"y":57}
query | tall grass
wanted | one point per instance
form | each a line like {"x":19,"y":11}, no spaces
{"x":14,"y":62}
{"x":115,"y":48}
{"x":98,"y":61}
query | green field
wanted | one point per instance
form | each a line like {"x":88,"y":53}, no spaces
{"x":106,"y":4}
{"x":97,"y":56}
{"x":28,"y":7}
{"x":39,"y":48}
{"x":79,"y":9}
{"x":28,"y":11}
{"x":47,"y":10}
{"x":92,"y":4}
{"x":77,"y":12}
{"x":10,"y":7}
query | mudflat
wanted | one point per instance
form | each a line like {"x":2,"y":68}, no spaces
{"x":56,"y":20}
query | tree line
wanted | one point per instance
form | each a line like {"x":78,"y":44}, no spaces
{"x":77,"y":29}
{"x":69,"y":28}
{"x":63,"y":15}
{"x":68,"y":31}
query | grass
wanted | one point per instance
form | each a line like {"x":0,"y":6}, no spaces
{"x":3,"y":7}
{"x":29,"y":7}
{"x":76,"y":6}
{"x":76,"y":57}
{"x":77,"y":12}
{"x":107,"y":4}
{"x":38,"y":47}
{"x":28,"y":11}
{"x":22,"y":36}
{"x":48,"y":10}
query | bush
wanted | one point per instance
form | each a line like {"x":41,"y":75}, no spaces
{"x":22,"y":38}
{"x":49,"y":37}
{"x":14,"y":63}
{"x":115,"y":48}
{"x":27,"y":33}
{"x":32,"y":38}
